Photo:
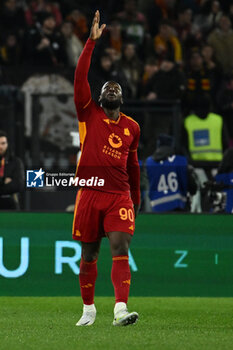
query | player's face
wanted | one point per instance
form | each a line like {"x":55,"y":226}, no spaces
{"x":111,"y":91}
{"x":3,"y":145}
{"x":111,"y":95}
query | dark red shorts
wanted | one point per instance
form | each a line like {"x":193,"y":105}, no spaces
{"x":97,"y":213}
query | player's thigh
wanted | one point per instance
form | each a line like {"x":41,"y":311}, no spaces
{"x":120,"y":216}
{"x":88,"y":218}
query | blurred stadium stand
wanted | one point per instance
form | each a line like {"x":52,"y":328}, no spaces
{"x":171,"y":59}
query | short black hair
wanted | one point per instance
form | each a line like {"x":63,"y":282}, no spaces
{"x":165,"y":140}
{"x":42,"y":16}
{"x":3,"y":134}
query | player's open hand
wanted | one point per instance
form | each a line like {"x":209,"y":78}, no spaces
{"x":96,"y":30}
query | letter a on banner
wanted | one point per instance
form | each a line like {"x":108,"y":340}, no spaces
{"x":24,"y":260}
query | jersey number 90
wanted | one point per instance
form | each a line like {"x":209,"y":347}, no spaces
{"x":126,"y":214}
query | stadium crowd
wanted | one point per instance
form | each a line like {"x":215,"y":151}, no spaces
{"x":188,"y":43}
{"x":161,"y":49}
{"x":156,"y":49}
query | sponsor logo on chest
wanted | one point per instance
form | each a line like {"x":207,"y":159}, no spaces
{"x":115,"y":142}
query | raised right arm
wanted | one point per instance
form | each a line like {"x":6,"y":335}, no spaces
{"x":82,"y":92}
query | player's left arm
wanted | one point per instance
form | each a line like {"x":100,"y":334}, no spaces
{"x":133,"y":171}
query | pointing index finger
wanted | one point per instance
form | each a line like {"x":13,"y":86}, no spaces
{"x":98,"y":16}
{"x":94,"y":19}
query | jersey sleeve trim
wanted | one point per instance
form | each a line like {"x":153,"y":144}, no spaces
{"x":87,"y":104}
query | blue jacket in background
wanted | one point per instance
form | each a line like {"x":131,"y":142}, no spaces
{"x":168,"y":183}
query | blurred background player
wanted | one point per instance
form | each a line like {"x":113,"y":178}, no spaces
{"x":171,"y":179}
{"x":109,"y":141}
{"x":11,"y":176}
